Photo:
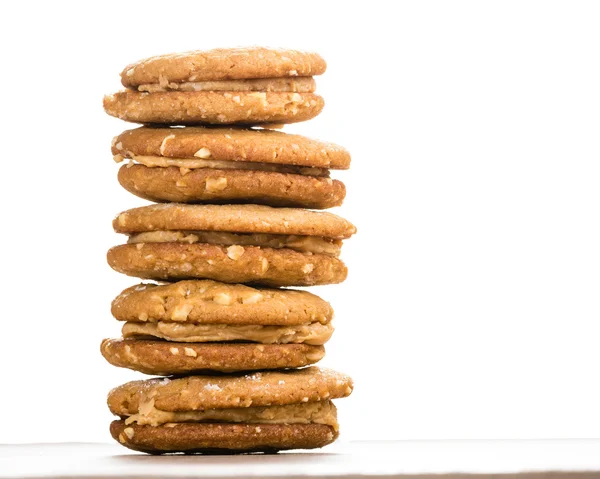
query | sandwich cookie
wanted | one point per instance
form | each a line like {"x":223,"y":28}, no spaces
{"x":232,"y":244}
{"x":227,"y":165}
{"x":259,"y":412}
{"x":196,"y":326}
{"x":223,"y":86}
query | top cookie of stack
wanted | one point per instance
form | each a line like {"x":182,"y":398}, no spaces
{"x":222,"y":86}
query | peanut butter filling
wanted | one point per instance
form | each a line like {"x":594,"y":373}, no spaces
{"x":298,"y":85}
{"x":199,"y":163}
{"x":322,"y":412}
{"x":313,"y":333}
{"x":237,"y":241}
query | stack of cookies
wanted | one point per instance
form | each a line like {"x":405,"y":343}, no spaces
{"x":231,"y":228}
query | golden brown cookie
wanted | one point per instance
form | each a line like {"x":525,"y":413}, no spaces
{"x":233,"y":218}
{"x":200,"y":393}
{"x":267,"y":266}
{"x":213,"y":107}
{"x":213,"y":438}
{"x":233,"y":186}
{"x":258,"y":411}
{"x":226,"y":165}
{"x":223,"y":64}
{"x":210,"y":302}
{"x":166,"y":358}
{"x":230,"y":144}
{"x":231,"y":243}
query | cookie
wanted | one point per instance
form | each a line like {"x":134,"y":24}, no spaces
{"x":225,"y":165}
{"x":233,"y":218}
{"x":266,"y":266}
{"x":230,"y":144}
{"x":203,"y":323}
{"x":261,"y":411}
{"x":213,"y":107}
{"x":223,"y":86}
{"x":233,"y":186}
{"x":150,"y":397}
{"x":189,"y":438}
{"x":166,"y":358}
{"x":210,"y":302}
{"x":232,"y":244}
{"x":223,"y":64}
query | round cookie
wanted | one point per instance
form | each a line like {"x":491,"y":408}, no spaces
{"x":227,"y":165}
{"x":194,"y":301}
{"x":222,"y":438}
{"x":281,"y":246}
{"x":223,"y":64}
{"x":270,"y":388}
{"x":233,"y":218}
{"x":231,"y":144}
{"x":261,"y":411}
{"x":234,"y":186}
{"x":213,"y":107}
{"x":267,"y":266}
{"x":166,"y":358}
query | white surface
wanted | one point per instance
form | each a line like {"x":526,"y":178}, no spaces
{"x":352,"y":459}
{"x":472,"y":301}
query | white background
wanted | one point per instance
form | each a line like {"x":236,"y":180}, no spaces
{"x":471,"y":309}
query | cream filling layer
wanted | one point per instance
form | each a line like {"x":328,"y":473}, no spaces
{"x":198,"y":163}
{"x":315,"y":334}
{"x":237,"y":241}
{"x":322,"y":412}
{"x":298,"y":85}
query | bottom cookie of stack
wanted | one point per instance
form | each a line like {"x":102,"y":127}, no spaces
{"x":197,"y":326}
{"x":259,"y":412}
